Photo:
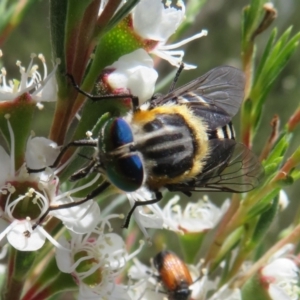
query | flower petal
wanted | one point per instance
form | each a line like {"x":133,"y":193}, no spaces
{"x":21,"y":242}
{"x":151,"y":20}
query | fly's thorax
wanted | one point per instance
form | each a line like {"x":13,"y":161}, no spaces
{"x":173,"y":143}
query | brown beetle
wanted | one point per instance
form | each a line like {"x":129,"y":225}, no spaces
{"x":174,"y":275}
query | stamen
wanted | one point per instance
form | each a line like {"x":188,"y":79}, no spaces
{"x":32,"y":56}
{"x":91,"y":270}
{"x":79,"y":261}
{"x":3,"y":78}
{"x":67,"y":194}
{"x":35,"y":76}
{"x":78,"y":117}
{"x":180,"y":3}
{"x":204,"y":32}
{"x":89,"y":134}
{"x":51,"y":239}
{"x":10,"y":207}
{"x":44,"y":202}
{"x":43,"y":83}
{"x":58,"y":170}
{"x":43,"y":60}
{"x":137,"y":251}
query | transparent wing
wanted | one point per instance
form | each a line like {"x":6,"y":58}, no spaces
{"x":222,"y":87}
{"x":232,"y":167}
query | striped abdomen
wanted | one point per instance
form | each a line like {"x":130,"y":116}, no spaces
{"x":167,"y":145}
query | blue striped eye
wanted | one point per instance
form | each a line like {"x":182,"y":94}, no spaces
{"x":124,"y":169}
{"x":121,"y":132}
{"x":126,"y":173}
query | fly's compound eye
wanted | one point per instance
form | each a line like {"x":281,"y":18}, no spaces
{"x":124,"y":168}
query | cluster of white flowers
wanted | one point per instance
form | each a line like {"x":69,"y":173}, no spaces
{"x":91,"y":252}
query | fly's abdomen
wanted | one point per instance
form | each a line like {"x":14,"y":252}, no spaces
{"x":167,"y":145}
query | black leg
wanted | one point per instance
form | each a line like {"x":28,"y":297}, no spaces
{"x":134,"y":99}
{"x":79,"y":143}
{"x":90,"y":196}
{"x":158,"y":197}
{"x":181,"y":67}
{"x":84,"y":171}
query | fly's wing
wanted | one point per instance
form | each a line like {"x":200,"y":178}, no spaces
{"x":230,"y":167}
{"x":221,"y":87}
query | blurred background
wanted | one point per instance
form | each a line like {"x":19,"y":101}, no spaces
{"x":222,"y":19}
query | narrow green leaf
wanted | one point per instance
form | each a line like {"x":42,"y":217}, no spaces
{"x":271,"y":168}
{"x":265,"y":220}
{"x":279,"y":149}
{"x":263,"y":205}
{"x":265,"y":56}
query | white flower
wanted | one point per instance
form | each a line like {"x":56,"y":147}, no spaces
{"x":281,"y":277}
{"x":79,"y":218}
{"x":146,"y":220}
{"x":37,"y":87}
{"x":27,"y":198}
{"x":153,"y":21}
{"x":41,"y":152}
{"x":95,"y":260}
{"x":144,"y":286}
{"x":196,"y":217}
{"x":134,"y":72}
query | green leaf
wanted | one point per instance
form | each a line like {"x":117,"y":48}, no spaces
{"x":272,"y":167}
{"x":263,"y":205}
{"x":264,"y":222}
{"x":230,"y":242}
{"x":251,"y":18}
{"x":272,"y":63}
{"x":295,"y":174}
{"x":279,"y":149}
{"x":266,"y":54}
